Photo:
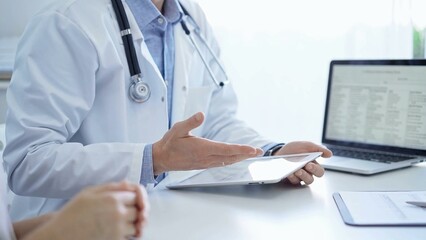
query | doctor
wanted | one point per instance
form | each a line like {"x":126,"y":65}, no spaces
{"x":111,"y":90}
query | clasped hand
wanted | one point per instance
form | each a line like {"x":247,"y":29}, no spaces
{"x":108,"y":212}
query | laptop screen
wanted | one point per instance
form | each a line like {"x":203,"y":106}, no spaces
{"x":378,"y":104}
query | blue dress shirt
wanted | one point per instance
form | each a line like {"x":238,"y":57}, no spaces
{"x":157,"y":29}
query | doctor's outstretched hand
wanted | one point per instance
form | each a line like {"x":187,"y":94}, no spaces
{"x":179,"y":150}
{"x":307,"y":173}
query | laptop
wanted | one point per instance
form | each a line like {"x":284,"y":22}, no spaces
{"x":260,"y":170}
{"x":375,"y":115}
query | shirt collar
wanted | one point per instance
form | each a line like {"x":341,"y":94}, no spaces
{"x":172,"y":11}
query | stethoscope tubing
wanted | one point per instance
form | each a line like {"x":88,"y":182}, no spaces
{"x":200,"y":36}
{"x":139,"y":91}
{"x":126,"y":35}
{"x":197,"y":48}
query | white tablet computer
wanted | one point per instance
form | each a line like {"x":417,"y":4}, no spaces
{"x":260,"y":170}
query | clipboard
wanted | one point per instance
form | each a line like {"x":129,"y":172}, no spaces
{"x":381,"y":208}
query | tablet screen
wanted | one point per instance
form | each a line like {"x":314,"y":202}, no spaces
{"x":251,"y":171}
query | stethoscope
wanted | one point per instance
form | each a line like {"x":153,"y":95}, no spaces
{"x":139,"y":90}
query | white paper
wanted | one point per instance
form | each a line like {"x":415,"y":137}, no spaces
{"x":385,"y":207}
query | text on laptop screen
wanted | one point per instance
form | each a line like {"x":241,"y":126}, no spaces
{"x":377,"y":104}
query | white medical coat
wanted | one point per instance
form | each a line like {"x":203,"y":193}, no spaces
{"x":70,"y":122}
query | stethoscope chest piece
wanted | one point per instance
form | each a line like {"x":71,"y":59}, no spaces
{"x":139,"y":91}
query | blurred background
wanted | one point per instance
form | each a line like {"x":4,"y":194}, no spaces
{"x":277,"y":52}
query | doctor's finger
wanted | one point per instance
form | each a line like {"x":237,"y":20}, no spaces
{"x":315,"y":169}
{"x":293,"y":179}
{"x":225,"y":149}
{"x":219,"y":160}
{"x":184,"y":127}
{"x":304,"y":176}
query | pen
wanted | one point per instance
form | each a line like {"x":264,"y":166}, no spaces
{"x":419,"y":204}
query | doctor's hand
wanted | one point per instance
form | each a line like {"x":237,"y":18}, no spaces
{"x":307,"y":173}
{"x":107,"y":212}
{"x":179,"y":150}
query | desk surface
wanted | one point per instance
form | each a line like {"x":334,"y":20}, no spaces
{"x":275,"y":211}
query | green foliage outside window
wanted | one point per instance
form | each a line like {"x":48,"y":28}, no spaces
{"x":419,"y":42}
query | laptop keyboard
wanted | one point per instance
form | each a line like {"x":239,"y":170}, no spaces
{"x":377,"y":157}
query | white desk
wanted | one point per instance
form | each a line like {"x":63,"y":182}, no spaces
{"x":275,"y":211}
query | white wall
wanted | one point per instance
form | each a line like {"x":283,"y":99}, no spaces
{"x":277,"y":53}
{"x":14,"y":15}
{"x":3,"y":106}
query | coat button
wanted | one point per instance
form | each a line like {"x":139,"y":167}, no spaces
{"x":162,"y":99}
{"x":184,"y":88}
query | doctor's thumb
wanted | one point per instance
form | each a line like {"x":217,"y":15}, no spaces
{"x":187,"y":125}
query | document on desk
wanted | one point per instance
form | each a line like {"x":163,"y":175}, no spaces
{"x":381,"y":208}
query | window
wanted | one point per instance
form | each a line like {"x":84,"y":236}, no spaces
{"x":418,"y":17}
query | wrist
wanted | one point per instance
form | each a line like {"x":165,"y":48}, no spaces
{"x":47,"y":228}
{"x":156,"y":156}
{"x":274,"y":149}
